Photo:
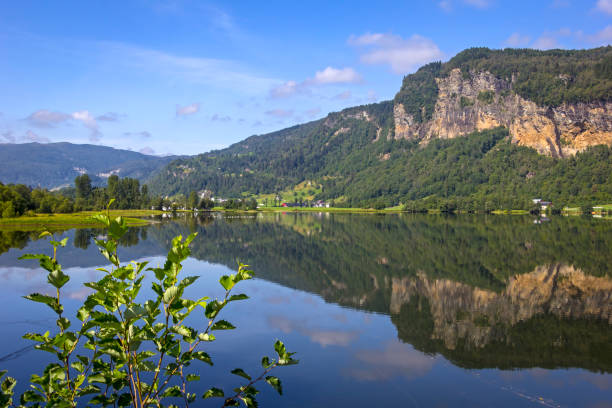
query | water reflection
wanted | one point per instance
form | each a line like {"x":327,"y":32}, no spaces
{"x":484,"y":292}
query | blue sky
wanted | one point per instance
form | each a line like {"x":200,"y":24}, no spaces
{"x":185,"y":77}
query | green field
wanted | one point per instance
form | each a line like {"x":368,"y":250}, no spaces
{"x":80,"y":219}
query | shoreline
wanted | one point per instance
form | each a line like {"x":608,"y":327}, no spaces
{"x":134,"y":217}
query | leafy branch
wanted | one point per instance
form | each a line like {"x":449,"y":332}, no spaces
{"x":137,"y":353}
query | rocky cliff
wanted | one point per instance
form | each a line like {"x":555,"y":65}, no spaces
{"x":477,"y":316}
{"x":476,"y":101}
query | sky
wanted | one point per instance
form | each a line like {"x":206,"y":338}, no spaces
{"x":185,"y":76}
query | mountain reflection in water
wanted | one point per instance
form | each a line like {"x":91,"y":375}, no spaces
{"x":482,"y":291}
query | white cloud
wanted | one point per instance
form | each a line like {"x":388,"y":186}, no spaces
{"x":331,"y":337}
{"x":280,"y":113}
{"x":546,"y":42}
{"x":605,"y":6}
{"x":328,"y":76}
{"x":603,"y":37}
{"x":395,"y":360}
{"x":331,"y":75}
{"x":187,"y":110}
{"x":8,"y":136}
{"x":560,"y":3}
{"x":372,"y":97}
{"x":478,"y":3}
{"x":517,"y":40}
{"x":402,"y":54}
{"x":285,"y":90}
{"x":313,"y":112}
{"x":89,"y":122}
{"x":144,"y":134}
{"x":218,"y":73}
{"x":44,"y":118}
{"x":219,"y":118}
{"x":33,"y":137}
{"x":109,"y":117}
{"x":323,"y":337}
{"x":147,"y":150}
{"x":447,"y":5}
{"x":343,"y":95}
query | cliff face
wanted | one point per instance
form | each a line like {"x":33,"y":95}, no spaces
{"x":481,"y":101}
{"x":478,"y":316}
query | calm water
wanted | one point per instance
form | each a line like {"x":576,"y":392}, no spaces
{"x":411,"y":311}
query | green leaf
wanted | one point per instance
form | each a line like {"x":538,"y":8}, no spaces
{"x":213,"y":392}
{"x":265,"y":362}
{"x":227,"y":282}
{"x":241,"y":373}
{"x":188,"y":281}
{"x":99,"y":378}
{"x":213,"y":308}
{"x":249,"y":401}
{"x":7,"y":385}
{"x":173,"y":391}
{"x":206,"y":337}
{"x":135,"y":312}
{"x":203,"y":356}
{"x":192,"y":377}
{"x":38,"y":297}
{"x":170,"y":294}
{"x":222,"y":325}
{"x":82,"y":314}
{"x":63,"y":323}
{"x":57,"y":278}
{"x":280,"y":349}
{"x":77,"y":365}
{"x":241,"y":296}
{"x":125,"y":400}
{"x":31,"y":396}
{"x":182,"y":330}
{"x":275,"y":383}
{"x":48,"y":300}
{"x":90,"y":389}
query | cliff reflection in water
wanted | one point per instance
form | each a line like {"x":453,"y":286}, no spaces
{"x":482,"y":291}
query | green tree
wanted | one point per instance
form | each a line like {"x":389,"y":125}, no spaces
{"x":133,"y":353}
{"x":193,"y":200}
{"x":83,"y":187}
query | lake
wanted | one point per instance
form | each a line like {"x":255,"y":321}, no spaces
{"x":382,"y":310}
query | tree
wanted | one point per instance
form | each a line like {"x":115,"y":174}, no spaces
{"x":193,"y":200}
{"x":83,"y":187}
{"x":133,"y":353}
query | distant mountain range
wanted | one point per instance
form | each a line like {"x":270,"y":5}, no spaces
{"x":55,"y":165}
{"x":486,"y":129}
{"x":536,"y":108}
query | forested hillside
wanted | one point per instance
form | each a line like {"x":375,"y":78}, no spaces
{"x":52,"y":165}
{"x":422,"y":148}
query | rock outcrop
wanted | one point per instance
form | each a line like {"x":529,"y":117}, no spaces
{"x":467,"y":103}
{"x":478,"y":316}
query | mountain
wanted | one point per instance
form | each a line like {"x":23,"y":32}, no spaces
{"x":488,"y":126}
{"x":54,"y":165}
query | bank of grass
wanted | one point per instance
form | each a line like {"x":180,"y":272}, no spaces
{"x":330,"y":209}
{"x":72,"y":220}
{"x":510,"y":212}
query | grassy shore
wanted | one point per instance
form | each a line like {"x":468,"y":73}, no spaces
{"x":80,"y":219}
{"x":330,"y":210}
